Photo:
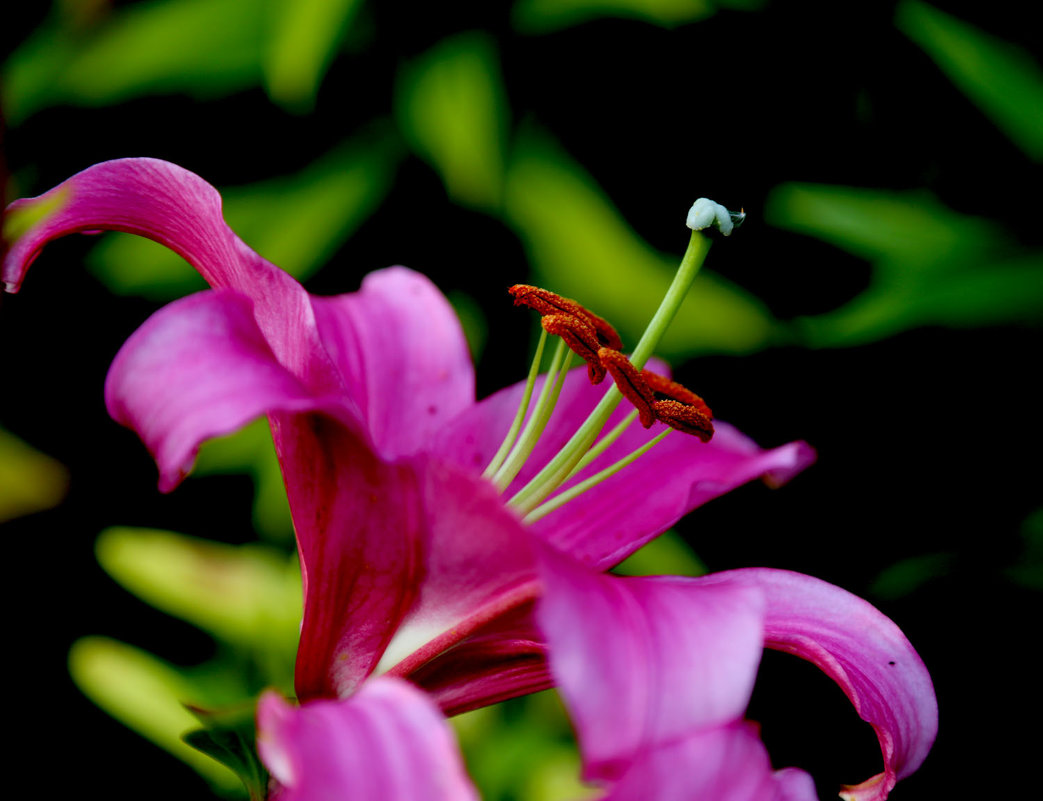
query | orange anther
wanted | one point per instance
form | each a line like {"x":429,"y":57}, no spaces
{"x":671,"y":390}
{"x":630,"y":384}
{"x":684,"y":418}
{"x":581,"y":329}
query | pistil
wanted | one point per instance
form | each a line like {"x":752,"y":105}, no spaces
{"x":594,"y":340}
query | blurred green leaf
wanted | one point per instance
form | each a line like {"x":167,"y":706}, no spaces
{"x":230,"y":737}
{"x":297,"y":222}
{"x":581,"y":247}
{"x":204,"y":48}
{"x":29,"y":480}
{"x":1027,"y":570}
{"x":931,"y":266}
{"x":451,"y":107}
{"x":522,"y":750}
{"x":305,"y":35}
{"x":543,"y":16}
{"x":667,"y":554}
{"x":905,"y":577}
{"x":250,"y":450}
{"x":147,"y":695}
{"x":1001,"y":79}
{"x":248,"y":595}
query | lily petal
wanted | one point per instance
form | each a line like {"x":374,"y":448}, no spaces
{"x":607,"y":523}
{"x":196,"y":369}
{"x":479,"y":567}
{"x":728,"y":763}
{"x":643,"y":662}
{"x":201,"y":367}
{"x":403,"y":355}
{"x":388,"y":742}
{"x":864,"y":652}
{"x":170,"y":205}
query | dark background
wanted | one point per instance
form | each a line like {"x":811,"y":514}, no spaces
{"x":928,"y":441}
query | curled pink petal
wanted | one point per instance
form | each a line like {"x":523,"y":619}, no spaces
{"x":642,"y":662}
{"x":387,"y":742}
{"x":403,"y":356}
{"x":176,"y":208}
{"x":728,"y":763}
{"x":196,"y":369}
{"x":864,"y":652}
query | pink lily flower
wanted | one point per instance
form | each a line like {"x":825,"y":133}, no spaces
{"x":413,"y":564}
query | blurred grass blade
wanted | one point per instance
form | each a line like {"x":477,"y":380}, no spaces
{"x":451,"y":107}
{"x":203,"y":48}
{"x":667,"y":554}
{"x":297,"y":222}
{"x":250,"y":450}
{"x":931,"y":265}
{"x":1004,"y":81}
{"x":304,"y":37}
{"x":247,"y":595}
{"x":580,"y":246}
{"x":147,"y":695}
{"x":29,"y":480}
{"x":543,"y":16}
{"x":879,"y":225}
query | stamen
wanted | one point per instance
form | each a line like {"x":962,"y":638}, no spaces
{"x":684,"y":418}
{"x":559,"y":468}
{"x":523,"y":407}
{"x":682,"y":409}
{"x":603,"y":444}
{"x":630,"y":383}
{"x":537,"y":420}
{"x":572,"y":492}
{"x":583,"y":330}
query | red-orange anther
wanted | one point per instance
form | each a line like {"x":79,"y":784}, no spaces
{"x":661,"y":385}
{"x":630,"y":384}
{"x":583,"y":331}
{"x":680,"y":408}
{"x":684,"y":418}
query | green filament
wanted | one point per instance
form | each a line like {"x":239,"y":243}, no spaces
{"x":538,"y":419}
{"x":594,"y":480}
{"x":555,"y":472}
{"x":523,"y":407}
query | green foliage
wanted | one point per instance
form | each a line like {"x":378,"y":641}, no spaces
{"x":297,"y":221}
{"x":247,"y":596}
{"x":543,"y":16}
{"x":29,"y":480}
{"x":451,"y":107}
{"x":148,"y":695}
{"x":931,"y":266}
{"x":230,"y":737}
{"x":1004,"y":81}
{"x":203,"y":48}
{"x":581,"y":246}
{"x":304,"y":36}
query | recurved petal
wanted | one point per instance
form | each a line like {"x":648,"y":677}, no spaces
{"x":728,"y":763}
{"x":643,"y":662}
{"x":403,"y":355}
{"x":864,"y":652}
{"x":170,"y":205}
{"x":198,"y":368}
{"x":388,"y":742}
{"x":615,"y":518}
